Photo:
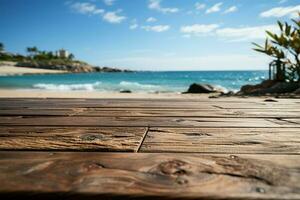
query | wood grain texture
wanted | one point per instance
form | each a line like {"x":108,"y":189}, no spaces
{"x":67,"y":138}
{"x":196,"y":137}
{"x":144,"y":122}
{"x":223,"y":140}
{"x":117,"y":103}
{"x":152,"y":176}
{"x":150,"y":112}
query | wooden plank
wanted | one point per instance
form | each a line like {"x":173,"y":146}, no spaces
{"x":202,"y":103}
{"x":191,"y":101}
{"x":144,"y":122}
{"x":223,"y":140}
{"x":295,"y":121}
{"x":268,"y":105}
{"x":151,"y":112}
{"x":128,"y":104}
{"x":253,"y":113}
{"x":148,"y":176}
{"x":75,"y":139}
{"x":150,"y":105}
{"x":38,"y":112}
{"x":196,"y":98}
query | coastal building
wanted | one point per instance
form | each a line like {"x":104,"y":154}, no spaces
{"x":62,"y":53}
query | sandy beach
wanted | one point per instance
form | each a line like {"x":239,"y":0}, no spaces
{"x":9,"y":69}
{"x":9,"y":93}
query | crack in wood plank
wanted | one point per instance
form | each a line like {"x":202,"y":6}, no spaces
{"x":142,"y":139}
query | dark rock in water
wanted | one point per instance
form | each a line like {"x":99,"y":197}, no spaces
{"x":196,"y":88}
{"x":269,"y":87}
{"x":256,"y":89}
{"x":282,"y":87}
{"x":125,"y":91}
{"x":228,"y":94}
{"x":297,"y":91}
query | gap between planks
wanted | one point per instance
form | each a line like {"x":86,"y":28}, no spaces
{"x":142,"y":140}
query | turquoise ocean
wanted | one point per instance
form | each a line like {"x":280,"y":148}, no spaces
{"x":141,"y":82}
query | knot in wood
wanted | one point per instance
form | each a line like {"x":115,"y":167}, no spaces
{"x":173,"y":167}
{"x":91,"y":137}
{"x":233,"y":157}
{"x":87,"y":167}
{"x":179,"y":120}
{"x":260,"y":190}
{"x":181,"y":181}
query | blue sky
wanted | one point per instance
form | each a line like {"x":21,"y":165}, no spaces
{"x":147,"y":34}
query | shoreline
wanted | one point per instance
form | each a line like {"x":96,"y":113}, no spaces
{"x":27,"y":93}
{"x":7,"y":70}
{"x":23,"y":93}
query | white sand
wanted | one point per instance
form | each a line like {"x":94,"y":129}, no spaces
{"x":9,"y":93}
{"x":12,"y":70}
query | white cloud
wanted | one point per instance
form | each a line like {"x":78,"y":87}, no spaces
{"x":133,"y":26}
{"x":86,"y":8}
{"x":91,"y":9}
{"x":198,"y":29}
{"x":250,"y":61}
{"x":158,"y":28}
{"x":151,"y":19}
{"x":290,"y":11}
{"x":199,"y":6}
{"x":156,"y":5}
{"x":246,"y":33}
{"x":282,"y":1}
{"x":214,"y":8}
{"x":113,"y":17}
{"x":109,"y":2}
{"x":232,"y":34}
{"x":231,"y":9}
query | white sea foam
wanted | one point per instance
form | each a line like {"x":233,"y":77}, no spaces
{"x":139,"y":86}
{"x":257,"y":78}
{"x":222,"y":88}
{"x":68,"y":87}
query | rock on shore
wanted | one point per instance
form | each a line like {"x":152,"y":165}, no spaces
{"x":70,"y":66}
{"x":197,"y":88}
{"x":270,"y":87}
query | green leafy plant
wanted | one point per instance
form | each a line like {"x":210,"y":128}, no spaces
{"x":1,"y":46}
{"x":71,"y":56}
{"x":284,"y":48}
{"x":32,"y":51}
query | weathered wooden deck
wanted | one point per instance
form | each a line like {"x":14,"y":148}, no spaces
{"x":228,"y":148}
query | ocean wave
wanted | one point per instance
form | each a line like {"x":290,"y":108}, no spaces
{"x":136,"y":85}
{"x":68,"y":87}
{"x":224,"y":89}
{"x":257,"y":78}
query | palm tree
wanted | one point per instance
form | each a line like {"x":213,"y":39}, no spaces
{"x":285,"y":48}
{"x":279,"y":60}
{"x":29,"y":51}
{"x":32,"y":51}
{"x":35,"y":50}
{"x":71,"y":56}
{"x":1,"y":47}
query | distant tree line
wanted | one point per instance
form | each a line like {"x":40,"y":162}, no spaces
{"x":1,"y":47}
{"x":284,"y":48}
{"x":33,"y":53}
